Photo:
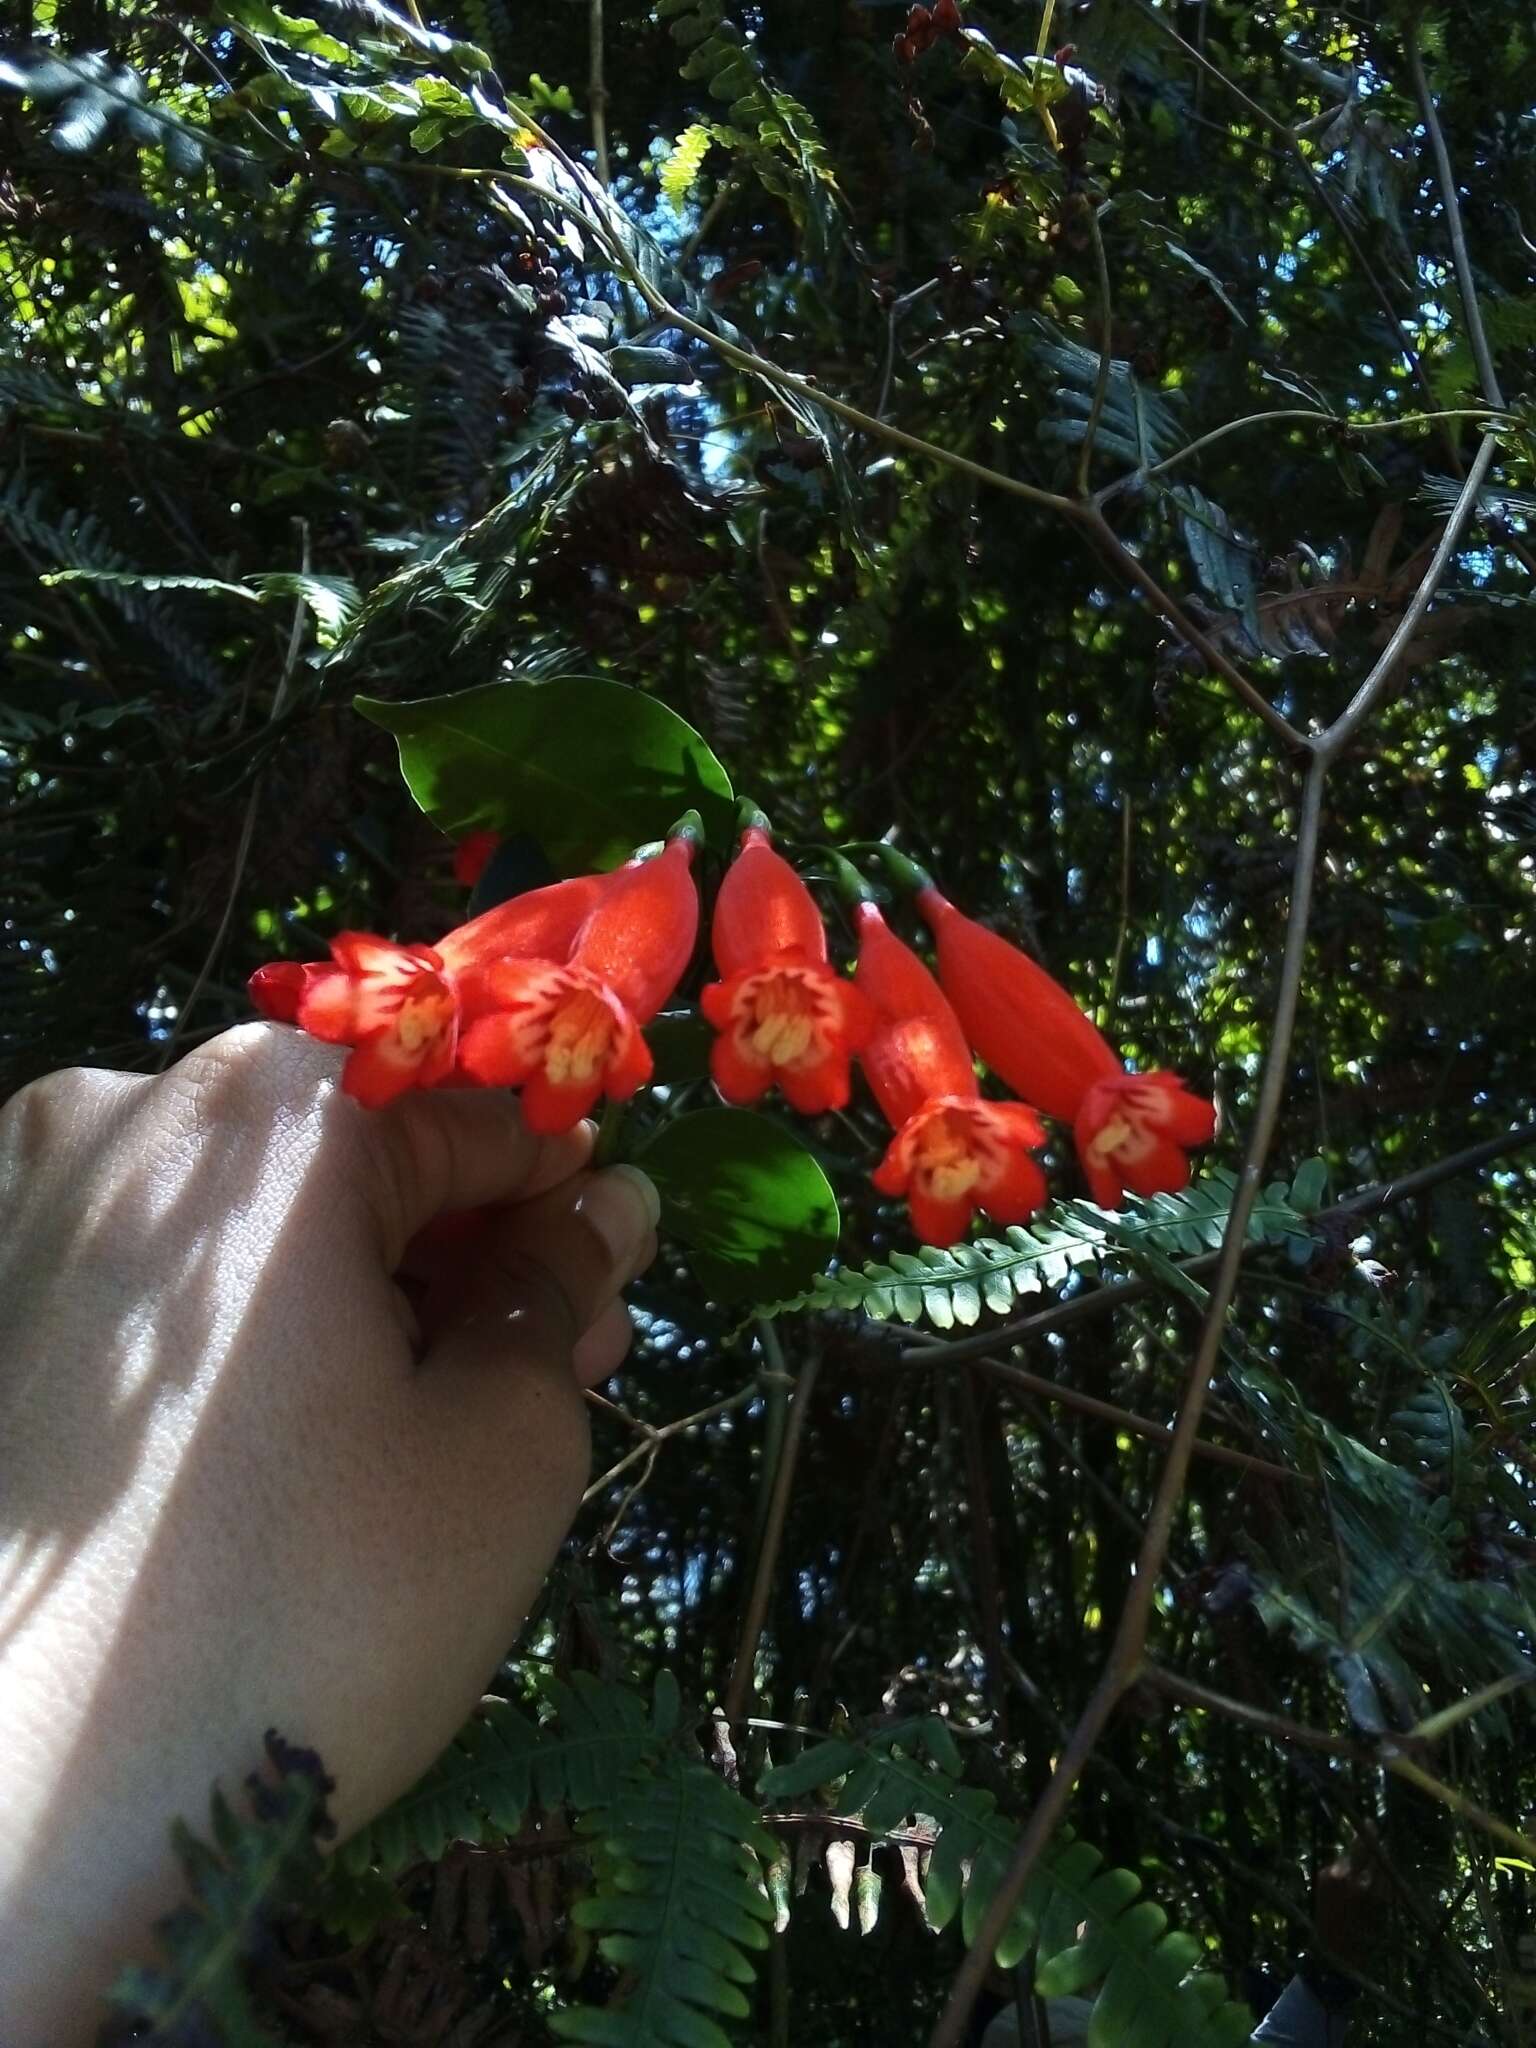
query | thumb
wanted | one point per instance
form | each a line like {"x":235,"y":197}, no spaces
{"x":543,"y":1274}
{"x":456,"y":1149}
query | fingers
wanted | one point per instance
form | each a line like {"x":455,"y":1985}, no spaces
{"x":459,"y":1149}
{"x":547,"y":1276}
{"x":601,"y":1350}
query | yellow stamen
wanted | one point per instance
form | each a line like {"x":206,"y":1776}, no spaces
{"x":580,"y":1039}
{"x":421,"y":1020}
{"x":783,"y":1024}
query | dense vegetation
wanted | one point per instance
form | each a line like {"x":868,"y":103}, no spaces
{"x":1025,"y":442}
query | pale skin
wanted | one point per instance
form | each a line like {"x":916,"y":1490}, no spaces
{"x":242,"y":1483}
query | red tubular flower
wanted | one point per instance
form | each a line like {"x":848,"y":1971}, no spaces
{"x":395,"y":1005}
{"x":277,"y":988}
{"x":1129,"y":1128}
{"x":782,"y":1015}
{"x":567,"y":1031}
{"x":1130,"y":1133}
{"x":1025,"y":1025}
{"x":541,"y":924}
{"x":953,"y":1152}
{"x":472,"y":855}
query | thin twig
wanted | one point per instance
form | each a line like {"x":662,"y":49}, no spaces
{"x":1089,"y":517}
{"x":1477,"y":334}
{"x":597,"y":92}
{"x":1365,"y":699}
{"x":1121,"y":1418}
{"x":744,"y":1669}
{"x":247,"y":823}
{"x":1123,"y":929}
{"x":652,"y":1437}
{"x":1295,"y":414}
{"x":1106,"y":331}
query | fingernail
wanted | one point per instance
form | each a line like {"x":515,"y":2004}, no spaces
{"x":623,"y":1207}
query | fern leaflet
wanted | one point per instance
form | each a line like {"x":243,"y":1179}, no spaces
{"x":680,"y":172}
{"x":501,"y":1763}
{"x":954,"y":1286}
{"x":679,"y":1896}
{"x":1150,"y":1996}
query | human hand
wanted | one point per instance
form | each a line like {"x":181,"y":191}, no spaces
{"x":242,"y":1482}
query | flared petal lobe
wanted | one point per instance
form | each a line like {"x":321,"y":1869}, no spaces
{"x":783,"y":1017}
{"x":958,"y":1154}
{"x":395,"y":1005}
{"x":278,"y":988}
{"x":793,"y":1023}
{"x":1024,"y":1025}
{"x":559,"y":1033}
{"x":1131,"y":1132}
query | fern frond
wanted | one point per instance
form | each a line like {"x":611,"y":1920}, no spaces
{"x":679,"y":1897}
{"x":954,"y":1286}
{"x":1151,"y":1995}
{"x":769,"y":128}
{"x":501,"y":1763}
{"x":80,"y":544}
{"x":680,"y":172}
{"x":1136,"y":424}
{"x":198,"y":1993}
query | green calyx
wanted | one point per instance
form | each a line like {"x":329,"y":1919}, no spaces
{"x":904,"y":872}
{"x":690,"y":826}
{"x":852,"y":887}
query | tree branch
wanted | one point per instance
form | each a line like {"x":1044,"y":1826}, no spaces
{"x":1477,"y":334}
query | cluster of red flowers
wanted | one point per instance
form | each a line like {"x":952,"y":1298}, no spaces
{"x":549,"y":992}
{"x":924,"y":27}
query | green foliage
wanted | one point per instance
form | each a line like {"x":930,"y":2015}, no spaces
{"x":592,"y":768}
{"x":768,"y":127}
{"x":685,"y":160}
{"x":234,"y":1883}
{"x":1136,"y":425}
{"x":374,"y":343}
{"x":1022,"y":83}
{"x":500,"y":1763}
{"x":954,"y":1286}
{"x":679,"y":1899}
{"x":755,"y":1211}
{"x":677,"y":1895}
{"x":1152,"y":1994}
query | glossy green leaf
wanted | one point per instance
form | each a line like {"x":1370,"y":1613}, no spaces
{"x":589,"y":768}
{"x":751,"y":1204}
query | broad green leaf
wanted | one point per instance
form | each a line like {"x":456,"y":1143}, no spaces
{"x":1310,"y":1186}
{"x":753,"y":1207}
{"x":591,"y":769}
